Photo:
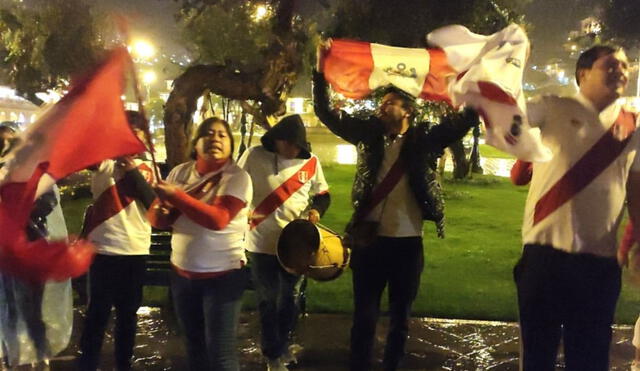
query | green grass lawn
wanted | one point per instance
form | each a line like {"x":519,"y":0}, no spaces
{"x":467,"y":275}
{"x":492,"y":152}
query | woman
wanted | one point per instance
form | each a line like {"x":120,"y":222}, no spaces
{"x":206,"y":202}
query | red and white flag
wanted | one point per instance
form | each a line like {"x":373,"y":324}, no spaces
{"x":484,"y":72}
{"x":85,"y":127}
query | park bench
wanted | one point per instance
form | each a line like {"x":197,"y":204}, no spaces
{"x":159,"y":267}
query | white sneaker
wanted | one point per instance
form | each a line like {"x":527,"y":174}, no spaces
{"x":276,"y":365}
{"x":291,"y":355}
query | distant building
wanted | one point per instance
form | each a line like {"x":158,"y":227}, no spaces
{"x":15,"y":108}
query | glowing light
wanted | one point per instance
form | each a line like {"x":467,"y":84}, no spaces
{"x":295,"y":105}
{"x":346,"y":154}
{"x":261,"y":12}
{"x":149,"y":77}
{"x":142,"y":49}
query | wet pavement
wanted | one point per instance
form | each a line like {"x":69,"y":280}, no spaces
{"x":434,"y":344}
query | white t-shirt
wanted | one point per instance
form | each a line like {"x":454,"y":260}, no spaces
{"x":199,"y":249}
{"x":127,"y":230}
{"x":268,"y":172}
{"x":588,"y":222}
{"x":399,"y":214}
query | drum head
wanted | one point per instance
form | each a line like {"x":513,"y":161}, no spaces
{"x":296,"y":246}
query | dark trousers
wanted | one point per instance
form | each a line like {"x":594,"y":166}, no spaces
{"x":114,"y":280}
{"x":397,"y":262}
{"x":569,"y":296}
{"x":276,"y":291}
{"x":208,"y":311}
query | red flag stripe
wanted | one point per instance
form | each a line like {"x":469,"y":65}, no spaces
{"x":282,"y":193}
{"x":436,"y":84}
{"x":494,"y":93}
{"x":592,"y":164}
{"x":348,"y":66}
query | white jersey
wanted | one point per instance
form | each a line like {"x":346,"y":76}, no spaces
{"x":296,"y":181}
{"x":199,"y":249}
{"x":576,"y":200}
{"x":119,"y":225}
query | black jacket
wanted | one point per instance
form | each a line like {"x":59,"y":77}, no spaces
{"x":420,"y":151}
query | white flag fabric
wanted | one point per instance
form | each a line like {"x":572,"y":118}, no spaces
{"x":490,"y":71}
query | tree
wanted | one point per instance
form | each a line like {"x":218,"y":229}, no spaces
{"x":43,"y":46}
{"x":621,"y":21}
{"x":247,"y":52}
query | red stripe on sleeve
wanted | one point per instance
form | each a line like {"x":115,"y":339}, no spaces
{"x":215,"y":216}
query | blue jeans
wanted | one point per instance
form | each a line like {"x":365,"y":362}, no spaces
{"x":208,"y":312}
{"x":276,"y":291}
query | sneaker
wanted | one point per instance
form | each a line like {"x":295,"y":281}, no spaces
{"x":276,"y":365}
{"x":635,"y":366}
{"x":291,"y":355}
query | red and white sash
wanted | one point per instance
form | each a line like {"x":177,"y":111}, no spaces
{"x":587,"y":168}
{"x":281,"y":194}
{"x":110,"y":202}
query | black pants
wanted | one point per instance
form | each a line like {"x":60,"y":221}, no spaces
{"x":114,"y":280}
{"x":569,"y":296}
{"x":397,"y":262}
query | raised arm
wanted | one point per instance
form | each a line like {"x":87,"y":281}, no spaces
{"x":349,"y":128}
{"x":453,"y":127}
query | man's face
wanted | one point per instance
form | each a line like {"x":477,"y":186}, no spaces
{"x":391,"y":110}
{"x":286,"y":149}
{"x":608,"y":76}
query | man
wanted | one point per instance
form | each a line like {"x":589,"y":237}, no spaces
{"x":568,"y":280}
{"x":288,"y":183}
{"x":394,"y":190}
{"x":117,"y":225}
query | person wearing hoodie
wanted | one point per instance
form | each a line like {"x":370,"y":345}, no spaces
{"x":288,"y":183}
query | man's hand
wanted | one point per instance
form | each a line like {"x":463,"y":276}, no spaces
{"x":314,"y":216}
{"x":623,"y":258}
{"x":126,"y":163}
{"x":471,"y":116}
{"x":165,"y":190}
{"x":323,"y":48}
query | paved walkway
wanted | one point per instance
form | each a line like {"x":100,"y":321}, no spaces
{"x":434,"y":344}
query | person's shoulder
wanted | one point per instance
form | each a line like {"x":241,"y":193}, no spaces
{"x":182,"y":168}
{"x":237,"y":173}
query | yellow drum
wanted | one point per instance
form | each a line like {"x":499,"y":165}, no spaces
{"x":316,"y":252}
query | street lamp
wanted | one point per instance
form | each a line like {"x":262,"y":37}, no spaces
{"x":148,"y":78}
{"x":142,"y":49}
{"x":261,"y":12}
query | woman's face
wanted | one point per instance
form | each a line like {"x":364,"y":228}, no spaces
{"x":216,"y":144}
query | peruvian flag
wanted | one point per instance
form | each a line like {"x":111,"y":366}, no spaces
{"x":85,"y":127}
{"x":463,"y":68}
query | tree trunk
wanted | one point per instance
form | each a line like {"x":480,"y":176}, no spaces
{"x":187,"y":88}
{"x":474,"y":159}
{"x":460,"y":162}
